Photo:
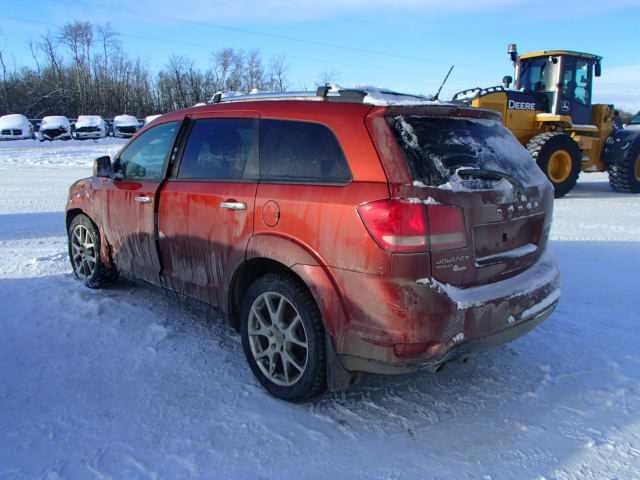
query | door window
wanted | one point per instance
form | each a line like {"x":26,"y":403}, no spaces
{"x":583,"y":84}
{"x":145,"y":158}
{"x":221,"y":149}
{"x":576,"y":81}
{"x":301,"y":152}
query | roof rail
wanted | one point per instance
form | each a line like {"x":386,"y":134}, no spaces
{"x":227,"y":97}
{"x":323,"y":93}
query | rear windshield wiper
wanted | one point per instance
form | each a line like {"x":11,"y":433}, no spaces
{"x":492,"y":175}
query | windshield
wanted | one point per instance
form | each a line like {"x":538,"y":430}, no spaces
{"x":436,"y":147}
{"x":635,"y":120}
{"x":538,"y":75}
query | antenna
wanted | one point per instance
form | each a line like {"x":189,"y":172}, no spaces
{"x":443,"y":83}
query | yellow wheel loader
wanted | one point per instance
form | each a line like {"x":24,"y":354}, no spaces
{"x":549,"y":110}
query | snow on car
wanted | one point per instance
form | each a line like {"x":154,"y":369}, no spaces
{"x":90,"y":126}
{"x":15,"y":127}
{"x":150,"y":118}
{"x":55,"y":127}
{"x":125,"y":126}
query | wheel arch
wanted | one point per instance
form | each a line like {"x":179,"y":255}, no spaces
{"x":105,"y":246}
{"x":73,"y":213}
{"x":276,"y":254}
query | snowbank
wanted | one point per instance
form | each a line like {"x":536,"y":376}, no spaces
{"x":73,"y":153}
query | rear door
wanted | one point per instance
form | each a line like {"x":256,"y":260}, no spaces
{"x":132,"y":201}
{"x":489,"y":207}
{"x":206,"y":206}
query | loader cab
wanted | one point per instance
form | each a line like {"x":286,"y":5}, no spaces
{"x":565,"y":78}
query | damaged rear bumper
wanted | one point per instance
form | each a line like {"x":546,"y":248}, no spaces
{"x":479,"y":318}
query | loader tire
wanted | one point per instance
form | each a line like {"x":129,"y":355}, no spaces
{"x":559,"y":157}
{"x":624,"y":174}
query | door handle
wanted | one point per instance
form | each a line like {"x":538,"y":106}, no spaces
{"x":143,"y":199}
{"x":233,"y":205}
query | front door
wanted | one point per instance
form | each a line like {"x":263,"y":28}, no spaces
{"x":132,"y":202}
{"x":575,"y":90}
{"x":206,"y":206}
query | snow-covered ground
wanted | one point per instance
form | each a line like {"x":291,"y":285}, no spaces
{"x":129,"y":383}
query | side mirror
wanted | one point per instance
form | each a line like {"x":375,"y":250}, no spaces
{"x":102,"y":167}
{"x":507,"y":81}
{"x":598,"y":69}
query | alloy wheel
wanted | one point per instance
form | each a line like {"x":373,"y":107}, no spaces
{"x":83,"y":251}
{"x":278,"y":339}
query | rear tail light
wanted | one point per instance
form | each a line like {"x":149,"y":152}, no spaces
{"x":396,"y":225}
{"x":446,"y":227}
{"x":402,"y":226}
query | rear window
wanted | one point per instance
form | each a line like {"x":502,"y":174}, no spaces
{"x":436,"y":147}
{"x":302,"y":152}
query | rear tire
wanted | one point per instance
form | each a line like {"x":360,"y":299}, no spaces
{"x":559,"y":157}
{"x":84,"y":253}
{"x":283,"y":338}
{"x":624,"y":174}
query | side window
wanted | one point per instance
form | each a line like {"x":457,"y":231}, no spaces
{"x":583,"y":90}
{"x":221,"y":149}
{"x":300,"y":152}
{"x":144,"y":159}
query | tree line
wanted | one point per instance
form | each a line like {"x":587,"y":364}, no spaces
{"x":83,"y":69}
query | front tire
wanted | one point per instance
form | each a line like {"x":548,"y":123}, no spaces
{"x":559,"y":157}
{"x":84,"y":253}
{"x":283,"y":338}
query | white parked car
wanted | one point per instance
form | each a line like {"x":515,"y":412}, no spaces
{"x":150,"y":118}
{"x":55,"y":127}
{"x":15,"y":127}
{"x":90,"y":126}
{"x":125,"y":126}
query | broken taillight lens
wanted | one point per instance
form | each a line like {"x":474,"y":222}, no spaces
{"x":402,"y":226}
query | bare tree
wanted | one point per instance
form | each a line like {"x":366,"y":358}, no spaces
{"x":278,"y":74}
{"x":228,"y":69}
{"x":254,"y":72}
{"x":328,"y":76}
{"x":34,"y":49}
{"x":82,"y":68}
{"x":5,"y":82}
{"x":78,"y":38}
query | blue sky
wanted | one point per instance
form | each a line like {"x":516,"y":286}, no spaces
{"x":402,"y":45}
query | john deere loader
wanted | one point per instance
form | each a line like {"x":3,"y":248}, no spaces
{"x":549,"y":110}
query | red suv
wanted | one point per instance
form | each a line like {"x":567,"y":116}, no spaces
{"x":338,"y":231}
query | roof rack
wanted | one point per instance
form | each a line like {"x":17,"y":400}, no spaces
{"x":323,"y":93}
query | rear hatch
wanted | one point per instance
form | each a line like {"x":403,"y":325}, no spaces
{"x":488,"y":206}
